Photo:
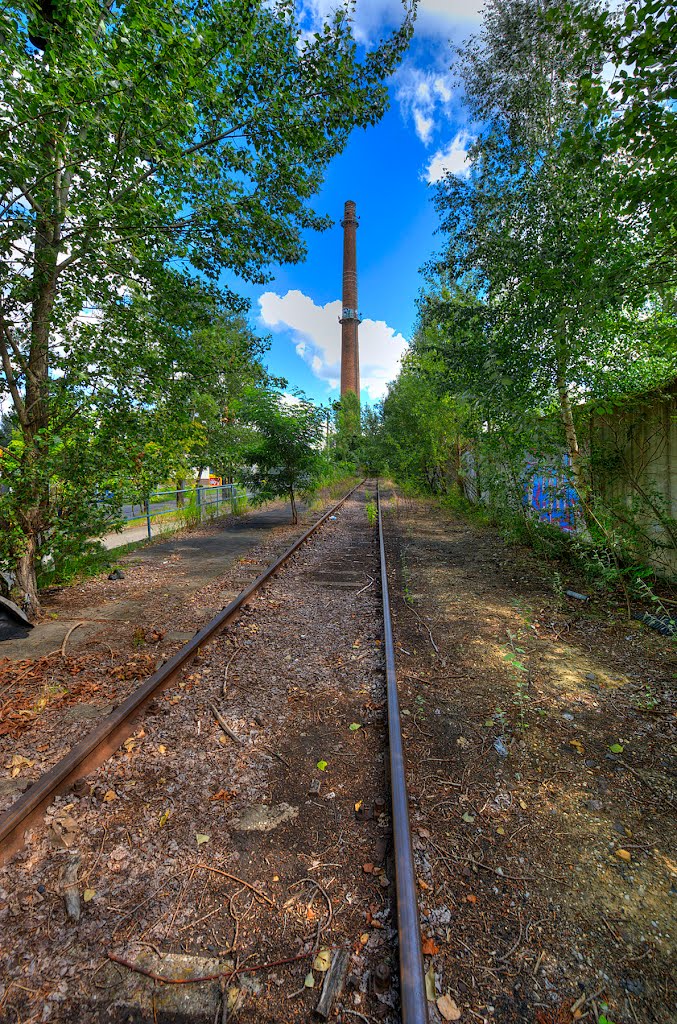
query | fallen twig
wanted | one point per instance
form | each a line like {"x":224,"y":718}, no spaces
{"x":321,"y":927}
{"x":231,"y":973}
{"x":234,"y":878}
{"x":512,"y":948}
{"x":67,"y":637}
{"x":224,"y":725}
{"x":278,"y":756}
{"x":432,"y":638}
{"x":369,"y":584}
{"x":225,"y":674}
{"x":657,"y":792}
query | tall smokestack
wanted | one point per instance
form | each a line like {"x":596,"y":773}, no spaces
{"x":350,"y":318}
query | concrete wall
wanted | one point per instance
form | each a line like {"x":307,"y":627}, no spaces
{"x":634,"y":464}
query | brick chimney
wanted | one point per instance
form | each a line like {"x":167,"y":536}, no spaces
{"x":350,"y":318}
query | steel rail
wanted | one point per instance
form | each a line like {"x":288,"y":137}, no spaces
{"x":111,"y":732}
{"x":412,"y":981}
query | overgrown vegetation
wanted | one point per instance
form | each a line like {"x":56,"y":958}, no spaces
{"x":539,"y":389}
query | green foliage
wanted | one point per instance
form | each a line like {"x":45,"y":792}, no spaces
{"x":371,"y":509}
{"x":346,"y":427}
{"x":550,"y":304}
{"x":146,"y":149}
{"x":68,"y":568}
{"x":283,"y":457}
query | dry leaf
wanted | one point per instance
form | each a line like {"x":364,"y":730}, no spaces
{"x":110,"y":795}
{"x":577,"y":745}
{"x":222,"y":794}
{"x":430,"y":984}
{"x":358,"y":805}
{"x":88,"y":895}
{"x":201,"y":838}
{"x":424,"y":885}
{"x":164,"y":817}
{"x":364,"y":938}
{"x":430,"y":947}
{"x":322,"y":961}
{"x":448,"y":1008}
{"x":624,"y":855}
{"x":470,"y":898}
{"x":17,"y":763}
{"x":310,"y":980}
{"x":161,"y":749}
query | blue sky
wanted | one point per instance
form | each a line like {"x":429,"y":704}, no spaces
{"x":386,"y":170}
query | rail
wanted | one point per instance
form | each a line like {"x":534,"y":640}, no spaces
{"x":412,"y":981}
{"x":105,"y":739}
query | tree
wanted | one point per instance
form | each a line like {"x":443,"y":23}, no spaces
{"x":136,"y":138}
{"x":533,"y":229}
{"x":347,"y":426}
{"x":284,"y":456}
{"x":632,"y":119}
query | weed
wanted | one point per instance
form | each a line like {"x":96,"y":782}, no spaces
{"x":502,"y":719}
{"x":139,"y":636}
{"x":558,"y":589}
{"x":372,"y":513}
{"x":70,"y":568}
{"x":520,"y":677}
{"x":648,"y":701}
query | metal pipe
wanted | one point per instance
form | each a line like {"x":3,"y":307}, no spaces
{"x":106,"y":737}
{"x":412,"y":980}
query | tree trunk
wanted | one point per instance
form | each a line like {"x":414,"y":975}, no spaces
{"x":180,"y":496}
{"x":566,"y":410}
{"x":571,"y":438}
{"x":26,"y":577}
{"x":35,"y":508}
{"x":294,"y":510}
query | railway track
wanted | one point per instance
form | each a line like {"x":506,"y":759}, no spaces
{"x":229,"y":822}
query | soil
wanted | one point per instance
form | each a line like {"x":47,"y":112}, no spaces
{"x":115,"y":633}
{"x":544,"y":851}
{"x":227,"y":853}
{"x":541,"y":749}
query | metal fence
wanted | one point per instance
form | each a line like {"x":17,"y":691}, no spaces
{"x":194,"y":502}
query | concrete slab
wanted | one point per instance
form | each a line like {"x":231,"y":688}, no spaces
{"x":124,"y":995}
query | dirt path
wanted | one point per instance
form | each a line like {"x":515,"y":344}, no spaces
{"x":540,"y":761}
{"x":197,"y":853}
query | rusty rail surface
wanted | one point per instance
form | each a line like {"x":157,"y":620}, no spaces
{"x":113,"y":730}
{"x":412,"y":981}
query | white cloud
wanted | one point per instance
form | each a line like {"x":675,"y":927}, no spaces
{"x":317,"y":338}
{"x":372,"y":17}
{"x":425,"y":96}
{"x":424,"y":126}
{"x":454,"y":159}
